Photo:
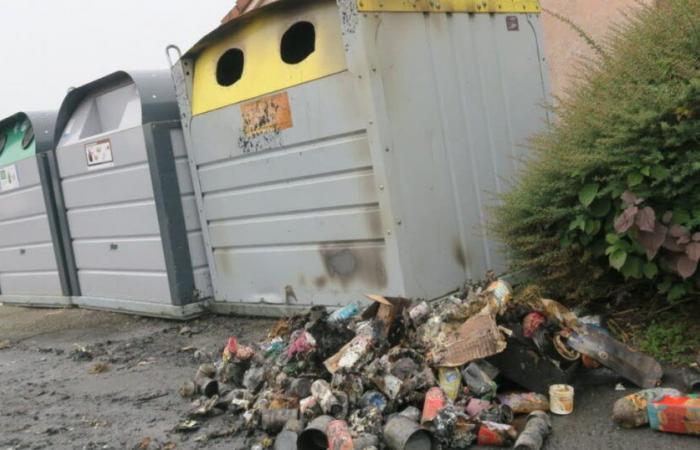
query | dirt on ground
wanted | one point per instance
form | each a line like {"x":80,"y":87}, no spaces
{"x":78,"y":379}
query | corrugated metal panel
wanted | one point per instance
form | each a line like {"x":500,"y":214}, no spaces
{"x":27,"y":258}
{"x":462,"y":93}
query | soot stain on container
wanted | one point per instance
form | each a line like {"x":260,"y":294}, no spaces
{"x":458,"y":253}
{"x":346,"y":265}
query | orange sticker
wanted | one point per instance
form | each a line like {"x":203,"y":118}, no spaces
{"x":266,"y":115}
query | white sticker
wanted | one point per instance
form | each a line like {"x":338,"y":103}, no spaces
{"x":8,"y":178}
{"x":99,"y":155}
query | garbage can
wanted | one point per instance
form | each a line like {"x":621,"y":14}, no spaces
{"x":133,"y":224}
{"x":355,"y":146}
{"x":33,"y":269}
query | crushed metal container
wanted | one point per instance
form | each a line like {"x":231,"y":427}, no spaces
{"x":33,"y":268}
{"x":132,"y":220}
{"x":346,"y":147}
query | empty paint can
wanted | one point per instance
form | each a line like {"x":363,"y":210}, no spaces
{"x":496,"y":435}
{"x":401,"y":433}
{"x":434,"y":402}
{"x":561,"y":399}
{"x":339,"y":436}
{"x":314,"y":436}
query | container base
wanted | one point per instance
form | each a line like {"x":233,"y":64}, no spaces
{"x":140,"y":308}
{"x":36,"y":301}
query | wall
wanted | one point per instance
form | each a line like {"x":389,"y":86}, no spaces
{"x":564,"y":47}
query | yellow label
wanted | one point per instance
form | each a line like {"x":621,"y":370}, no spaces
{"x":445,"y":6}
{"x":264,"y":72}
{"x":271,"y":113}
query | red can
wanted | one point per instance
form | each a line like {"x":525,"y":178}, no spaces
{"x":496,"y":434}
{"x":434,"y":402}
{"x":339,"y":436}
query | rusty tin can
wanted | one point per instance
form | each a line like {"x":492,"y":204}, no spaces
{"x":401,"y":433}
{"x":496,"y":434}
{"x":273,"y":420}
{"x":675,"y":415}
{"x":339,"y":436}
{"x":314,"y":437}
{"x":434,"y":402}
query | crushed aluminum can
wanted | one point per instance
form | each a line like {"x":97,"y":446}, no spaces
{"x":400,"y":433}
{"x":419,"y":313}
{"x":352,"y":356}
{"x":450,"y":381}
{"x":496,"y":434}
{"x":230,"y":350}
{"x":373,"y":399}
{"x":314,"y":437}
{"x":345,"y":313}
{"x":478,"y":381}
{"x":631,"y":411}
{"x":434,"y":401}
{"x":497,"y":413}
{"x":524,"y":403}
{"x":274,"y":420}
{"x":304,"y":342}
{"x":679,"y":415}
{"x":339,"y":436}
{"x":537,"y":428}
{"x":476,"y":406}
{"x":327,"y":400}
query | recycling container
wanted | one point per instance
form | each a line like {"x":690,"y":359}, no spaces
{"x":353,"y":146}
{"x":133,"y":225}
{"x":33,"y":269}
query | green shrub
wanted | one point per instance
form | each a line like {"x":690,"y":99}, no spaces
{"x":612,"y":191}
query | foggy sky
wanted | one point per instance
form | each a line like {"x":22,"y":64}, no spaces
{"x":51,"y":45}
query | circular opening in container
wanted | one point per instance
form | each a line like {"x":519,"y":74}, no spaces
{"x":229,"y":69}
{"x":3,"y":141}
{"x":28,"y":137}
{"x":312,"y":440}
{"x":298,"y":42}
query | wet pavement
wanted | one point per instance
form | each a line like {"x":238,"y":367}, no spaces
{"x":50,"y":400}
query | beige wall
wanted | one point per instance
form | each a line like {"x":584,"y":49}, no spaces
{"x":563,"y":46}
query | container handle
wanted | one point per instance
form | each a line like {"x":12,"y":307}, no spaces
{"x":168,"y":53}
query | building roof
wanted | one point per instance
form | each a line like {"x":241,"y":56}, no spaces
{"x":244,"y":6}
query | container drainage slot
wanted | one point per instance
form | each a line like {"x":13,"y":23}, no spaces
{"x":229,"y":69}
{"x":298,"y":42}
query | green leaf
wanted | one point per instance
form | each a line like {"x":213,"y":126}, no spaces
{"x":681,"y":216}
{"x":659,"y":173}
{"x":650,"y":269}
{"x":588,"y":193}
{"x":611,"y":238}
{"x":646,"y":171}
{"x":676,"y":292}
{"x":579,"y":223}
{"x":600,"y":207}
{"x":634,"y":179}
{"x":618,"y":258}
{"x":665,"y":286}
{"x":632,"y":267}
{"x":592,"y":227}
{"x":565,"y":241}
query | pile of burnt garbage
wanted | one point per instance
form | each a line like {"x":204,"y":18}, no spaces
{"x":477,"y":368}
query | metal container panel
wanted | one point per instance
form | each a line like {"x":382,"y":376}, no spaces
{"x":200,"y":266}
{"x":293,"y":215}
{"x":27,"y":257}
{"x":112,"y":216}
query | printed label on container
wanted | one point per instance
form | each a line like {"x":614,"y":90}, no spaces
{"x":99,"y":155}
{"x":8,"y":178}
{"x":266,"y":115}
